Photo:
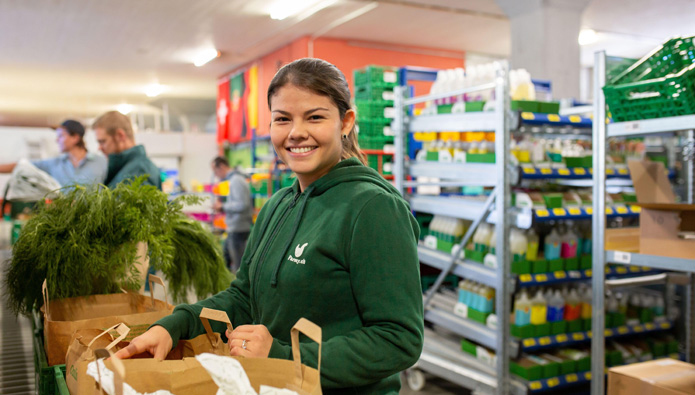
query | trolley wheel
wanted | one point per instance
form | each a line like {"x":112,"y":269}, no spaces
{"x":415,"y":379}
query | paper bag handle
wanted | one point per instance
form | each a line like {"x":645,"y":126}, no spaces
{"x":118,"y":370}
{"x":156,"y":279}
{"x":122,"y":330}
{"x":313,"y":332}
{"x":44,"y":292}
{"x":217,"y":315}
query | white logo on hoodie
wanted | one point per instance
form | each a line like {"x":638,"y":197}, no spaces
{"x":298,"y":251}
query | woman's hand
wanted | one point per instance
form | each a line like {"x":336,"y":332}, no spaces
{"x":252,"y":341}
{"x":157,"y":341}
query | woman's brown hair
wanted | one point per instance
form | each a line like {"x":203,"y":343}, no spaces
{"x":323,"y":79}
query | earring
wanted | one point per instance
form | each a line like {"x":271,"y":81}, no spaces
{"x":345,"y":137}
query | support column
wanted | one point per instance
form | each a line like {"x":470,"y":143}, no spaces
{"x":544,"y":41}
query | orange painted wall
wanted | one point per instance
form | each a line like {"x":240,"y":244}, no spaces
{"x":348,"y":55}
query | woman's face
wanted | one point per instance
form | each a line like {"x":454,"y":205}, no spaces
{"x":306,"y":131}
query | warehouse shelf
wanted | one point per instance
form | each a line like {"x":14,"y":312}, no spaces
{"x":462,"y":268}
{"x":475,"y":173}
{"x":572,"y":339}
{"x":650,"y":126}
{"x":576,"y":121}
{"x":583,"y":213}
{"x":454,"y":207}
{"x":653,"y":261}
{"x":570,"y":173}
{"x":462,"y":122}
{"x":463,"y":327}
{"x":564,"y":276}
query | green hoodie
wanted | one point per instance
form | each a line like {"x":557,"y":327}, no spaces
{"x":343,"y":254}
{"x":130,"y":164}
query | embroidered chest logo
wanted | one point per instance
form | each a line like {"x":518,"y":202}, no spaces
{"x":298,"y":251}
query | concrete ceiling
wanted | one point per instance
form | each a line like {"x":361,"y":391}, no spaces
{"x":78,"y":58}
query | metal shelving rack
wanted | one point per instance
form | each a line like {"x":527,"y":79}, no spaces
{"x":459,"y":368}
{"x":602,"y":131}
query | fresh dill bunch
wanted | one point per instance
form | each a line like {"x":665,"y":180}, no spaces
{"x":84,"y":242}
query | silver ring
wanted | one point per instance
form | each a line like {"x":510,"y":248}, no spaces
{"x":243,"y":344}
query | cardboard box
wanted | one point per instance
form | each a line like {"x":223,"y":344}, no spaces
{"x":666,"y":228}
{"x":663,"y":376}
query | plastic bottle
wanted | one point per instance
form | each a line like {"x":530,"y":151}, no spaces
{"x":532,"y":248}
{"x":568,"y":248}
{"x":539,"y":309}
{"x":556,"y":307}
{"x":552,"y":245}
{"x":475,"y":296}
{"x":586,"y":304}
{"x":488,"y":295}
{"x":573,"y":308}
{"x":481,"y":238}
{"x":586,"y":244}
{"x":522,"y":309}
{"x":518,"y":244}
{"x":490,"y":259}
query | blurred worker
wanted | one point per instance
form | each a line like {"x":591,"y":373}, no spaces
{"x":238,"y":210}
{"x":126,"y":160}
{"x":76,"y":165}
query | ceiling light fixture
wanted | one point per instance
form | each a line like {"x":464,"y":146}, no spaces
{"x":125,"y":108}
{"x":283,"y":9}
{"x":154,"y":90}
{"x":587,"y":36}
{"x":205,"y":56}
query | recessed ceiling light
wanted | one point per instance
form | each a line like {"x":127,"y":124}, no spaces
{"x":587,"y":36}
{"x":125,"y":108}
{"x":205,"y":56}
{"x":154,"y":90}
{"x":282,"y":9}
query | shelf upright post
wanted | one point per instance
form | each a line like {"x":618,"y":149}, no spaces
{"x":399,"y":133}
{"x":502,"y":203}
{"x":598,"y":226}
{"x":689,"y":158}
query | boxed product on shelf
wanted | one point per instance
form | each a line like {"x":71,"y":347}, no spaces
{"x":658,"y":85}
{"x":664,"y":224}
{"x":663,"y":376}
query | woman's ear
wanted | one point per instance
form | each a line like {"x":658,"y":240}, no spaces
{"x":348,"y":122}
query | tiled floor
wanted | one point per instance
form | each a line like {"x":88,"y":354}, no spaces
{"x":434,"y":386}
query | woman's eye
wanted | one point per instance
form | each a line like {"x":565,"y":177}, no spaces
{"x":315,"y":117}
{"x":281,"y":119}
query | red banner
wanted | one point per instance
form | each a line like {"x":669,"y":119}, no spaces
{"x":223,"y":110}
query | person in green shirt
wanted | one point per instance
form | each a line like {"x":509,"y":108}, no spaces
{"x":338,"y":247}
{"x":126,"y":160}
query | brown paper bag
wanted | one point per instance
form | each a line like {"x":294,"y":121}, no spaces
{"x":187,"y":376}
{"x":209,"y":342}
{"x":81,"y":352}
{"x":63,"y":317}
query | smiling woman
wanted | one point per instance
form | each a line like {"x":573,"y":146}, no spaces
{"x":339,"y":248}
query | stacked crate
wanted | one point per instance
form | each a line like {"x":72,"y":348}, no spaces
{"x":375,"y":111}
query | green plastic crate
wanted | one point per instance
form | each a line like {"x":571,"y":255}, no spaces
{"x":376,"y":91}
{"x":374,"y":109}
{"x":375,"y":127}
{"x":374,"y":142}
{"x":382,"y":75}
{"x":661,"y":84}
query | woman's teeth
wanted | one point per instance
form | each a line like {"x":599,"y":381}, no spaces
{"x":301,"y":150}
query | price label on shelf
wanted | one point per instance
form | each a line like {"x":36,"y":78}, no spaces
{"x":546,"y":171}
{"x":563,"y":172}
{"x":623,"y":171}
{"x":529,"y":170}
{"x":559,"y":212}
{"x":390,"y":76}
{"x":529,"y":116}
{"x":638,"y":329}
{"x":580,"y":171}
{"x":621,"y":210}
{"x":525,"y":278}
{"x":578,"y":336}
{"x":560,"y":275}
{"x":574,"y":274}
{"x":541,"y":278}
{"x":622,"y":257}
{"x":636,"y":209}
{"x":574,"y":211}
{"x":587,"y":273}
{"x":542,"y":213}
{"x":553,"y":382}
{"x":571,"y":378}
{"x":608,"y":332}
{"x":529,"y":342}
{"x":632,"y":126}
{"x":389,"y":112}
{"x":649,"y":326}
{"x":609,"y":211}
{"x":587,"y":376}
{"x":553,"y":118}
{"x":561,"y":338}
{"x":589,"y":210}
{"x":621,"y":270}
{"x":634,"y":269}
{"x":610,"y":172}
{"x":575,"y":118}
{"x":535,"y":385}
{"x":544,"y":341}
{"x":623,"y":330}
{"x":665,"y":325}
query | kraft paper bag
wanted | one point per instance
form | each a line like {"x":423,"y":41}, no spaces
{"x":81,"y":351}
{"x":63,"y":317}
{"x":188,"y":376}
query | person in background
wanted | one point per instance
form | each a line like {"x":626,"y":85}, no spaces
{"x":76,"y":165}
{"x":238,"y":211}
{"x":126,"y":160}
{"x":338,"y":247}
